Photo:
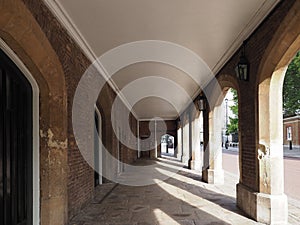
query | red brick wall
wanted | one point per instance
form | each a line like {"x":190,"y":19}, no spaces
{"x":295,"y":124}
{"x":146,"y":129}
{"x":74,"y":62}
{"x":170,"y":125}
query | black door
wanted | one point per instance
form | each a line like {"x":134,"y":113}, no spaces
{"x":15,"y":145}
{"x":96,"y":151}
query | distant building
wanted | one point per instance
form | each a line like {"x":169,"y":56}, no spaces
{"x":291,"y":130}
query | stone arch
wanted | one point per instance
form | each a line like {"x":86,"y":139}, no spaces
{"x":283,"y":46}
{"x":20,"y":31}
{"x":212,"y":169}
{"x":166,"y":144}
{"x":226,"y":80}
{"x":280,"y":51}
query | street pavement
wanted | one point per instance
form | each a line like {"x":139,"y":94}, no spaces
{"x":291,"y":168}
{"x":291,"y":177}
{"x":287,"y":153}
{"x":293,"y":153}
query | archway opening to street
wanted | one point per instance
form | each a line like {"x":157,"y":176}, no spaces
{"x":291,"y":127}
{"x":167,"y":145}
{"x":230,"y":132}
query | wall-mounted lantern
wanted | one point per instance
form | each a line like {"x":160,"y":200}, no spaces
{"x":243,"y":66}
{"x":202,"y":103}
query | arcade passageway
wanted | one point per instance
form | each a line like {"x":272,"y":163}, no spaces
{"x":111,"y":111}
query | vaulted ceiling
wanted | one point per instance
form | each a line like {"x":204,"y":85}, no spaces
{"x":185,"y":35}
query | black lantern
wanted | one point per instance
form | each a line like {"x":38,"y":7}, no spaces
{"x":242,"y":68}
{"x":202,"y":103}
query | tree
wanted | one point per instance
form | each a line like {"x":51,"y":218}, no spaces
{"x":291,"y":88}
{"x":233,"y":125}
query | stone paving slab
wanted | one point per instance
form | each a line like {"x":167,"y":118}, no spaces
{"x":181,"y":199}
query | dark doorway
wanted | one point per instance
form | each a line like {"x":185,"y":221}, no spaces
{"x":96,"y":150}
{"x":15,"y":145}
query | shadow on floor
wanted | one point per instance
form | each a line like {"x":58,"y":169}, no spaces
{"x":181,"y":199}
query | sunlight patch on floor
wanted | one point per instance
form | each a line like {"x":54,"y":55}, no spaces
{"x":207,"y":206}
{"x":163,"y":218}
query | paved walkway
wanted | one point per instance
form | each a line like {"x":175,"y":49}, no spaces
{"x":181,"y":199}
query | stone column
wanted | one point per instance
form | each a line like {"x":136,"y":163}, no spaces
{"x":186,"y":140}
{"x":212,"y":170}
{"x":179,"y":140}
{"x":197,"y":154}
{"x":268,"y":203}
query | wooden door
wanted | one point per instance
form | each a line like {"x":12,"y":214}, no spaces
{"x":15,"y":145}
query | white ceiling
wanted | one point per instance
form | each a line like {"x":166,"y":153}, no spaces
{"x":212,"y":29}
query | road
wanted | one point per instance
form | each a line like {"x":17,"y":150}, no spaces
{"x":291,"y":171}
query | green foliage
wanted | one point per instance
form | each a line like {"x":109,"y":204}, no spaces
{"x":291,"y":88}
{"x":233,"y":125}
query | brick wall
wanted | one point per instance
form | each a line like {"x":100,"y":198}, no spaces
{"x":294,"y":123}
{"x":256,"y":46}
{"x":74,"y":62}
{"x":162,"y":127}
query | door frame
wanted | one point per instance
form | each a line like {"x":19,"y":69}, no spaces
{"x":35,"y":131}
{"x":100,"y":162}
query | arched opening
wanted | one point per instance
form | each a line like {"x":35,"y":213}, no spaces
{"x":230,"y":133}
{"x":19,"y":152}
{"x":213,"y":126}
{"x":291,"y":128}
{"x":167,"y":145}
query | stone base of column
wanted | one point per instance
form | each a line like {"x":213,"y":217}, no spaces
{"x":179,"y":156}
{"x":196,"y":165}
{"x":185,"y":159}
{"x":212,"y":176}
{"x":264,"y":208}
